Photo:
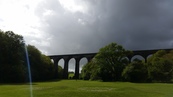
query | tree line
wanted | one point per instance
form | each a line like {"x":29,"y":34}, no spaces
{"x":13,"y":65}
{"x":111,"y":64}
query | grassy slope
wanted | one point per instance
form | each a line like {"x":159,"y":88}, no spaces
{"x":72,"y":88}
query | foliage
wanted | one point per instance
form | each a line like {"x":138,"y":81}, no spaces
{"x":108,"y":64}
{"x":60,"y":72}
{"x":136,"y":72}
{"x":41,"y":66}
{"x":111,"y":60}
{"x":90,"y":71}
{"x":12,"y":66}
{"x":160,"y":66}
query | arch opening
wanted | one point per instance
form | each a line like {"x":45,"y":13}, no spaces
{"x":71,"y":68}
{"x":149,"y":56}
{"x":61,"y":63}
{"x":137,"y":57}
{"x":83,"y":61}
{"x":52,"y":61}
{"x":126,"y":60}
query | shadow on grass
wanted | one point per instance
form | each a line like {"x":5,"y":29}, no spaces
{"x":27,"y":83}
{"x":16,"y":84}
{"x":53,"y":80}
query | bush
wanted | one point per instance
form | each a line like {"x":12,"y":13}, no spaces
{"x":135,"y":72}
{"x":160,"y":66}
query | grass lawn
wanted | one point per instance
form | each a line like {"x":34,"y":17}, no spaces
{"x":80,"y":88}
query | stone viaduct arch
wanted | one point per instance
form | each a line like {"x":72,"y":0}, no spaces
{"x":89,"y":56}
{"x":66,"y":58}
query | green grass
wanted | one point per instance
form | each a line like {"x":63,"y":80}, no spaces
{"x":79,"y":88}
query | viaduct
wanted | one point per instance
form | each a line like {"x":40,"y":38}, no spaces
{"x":89,"y":56}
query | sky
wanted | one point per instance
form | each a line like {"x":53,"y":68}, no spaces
{"x":59,"y":27}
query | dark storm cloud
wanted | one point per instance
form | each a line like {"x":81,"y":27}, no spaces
{"x":139,"y":24}
{"x":135,"y":24}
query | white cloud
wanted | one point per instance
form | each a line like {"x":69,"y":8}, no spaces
{"x":48,"y":12}
{"x":74,"y":5}
{"x":19,"y":16}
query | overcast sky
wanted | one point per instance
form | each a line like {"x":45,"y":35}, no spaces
{"x":84,"y":26}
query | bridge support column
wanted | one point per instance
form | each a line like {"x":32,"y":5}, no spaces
{"x":56,"y":67}
{"x":77,"y":68}
{"x":89,"y":58}
{"x":145,"y":57}
{"x":65,"y":72}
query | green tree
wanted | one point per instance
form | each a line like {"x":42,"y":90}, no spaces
{"x":112,"y":60}
{"x":60,"y":72}
{"x":41,"y":66}
{"x":108,"y":63}
{"x":90,"y":71}
{"x":85,"y":73}
{"x":12,"y":65}
{"x":160,"y":66}
{"x":136,"y":72}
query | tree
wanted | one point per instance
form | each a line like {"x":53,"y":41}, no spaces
{"x":136,"y":72}
{"x":160,"y":66}
{"x":41,"y":65}
{"x":108,"y":63}
{"x":60,"y":72}
{"x":12,"y":66}
{"x":90,"y":71}
{"x":112,"y":60}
